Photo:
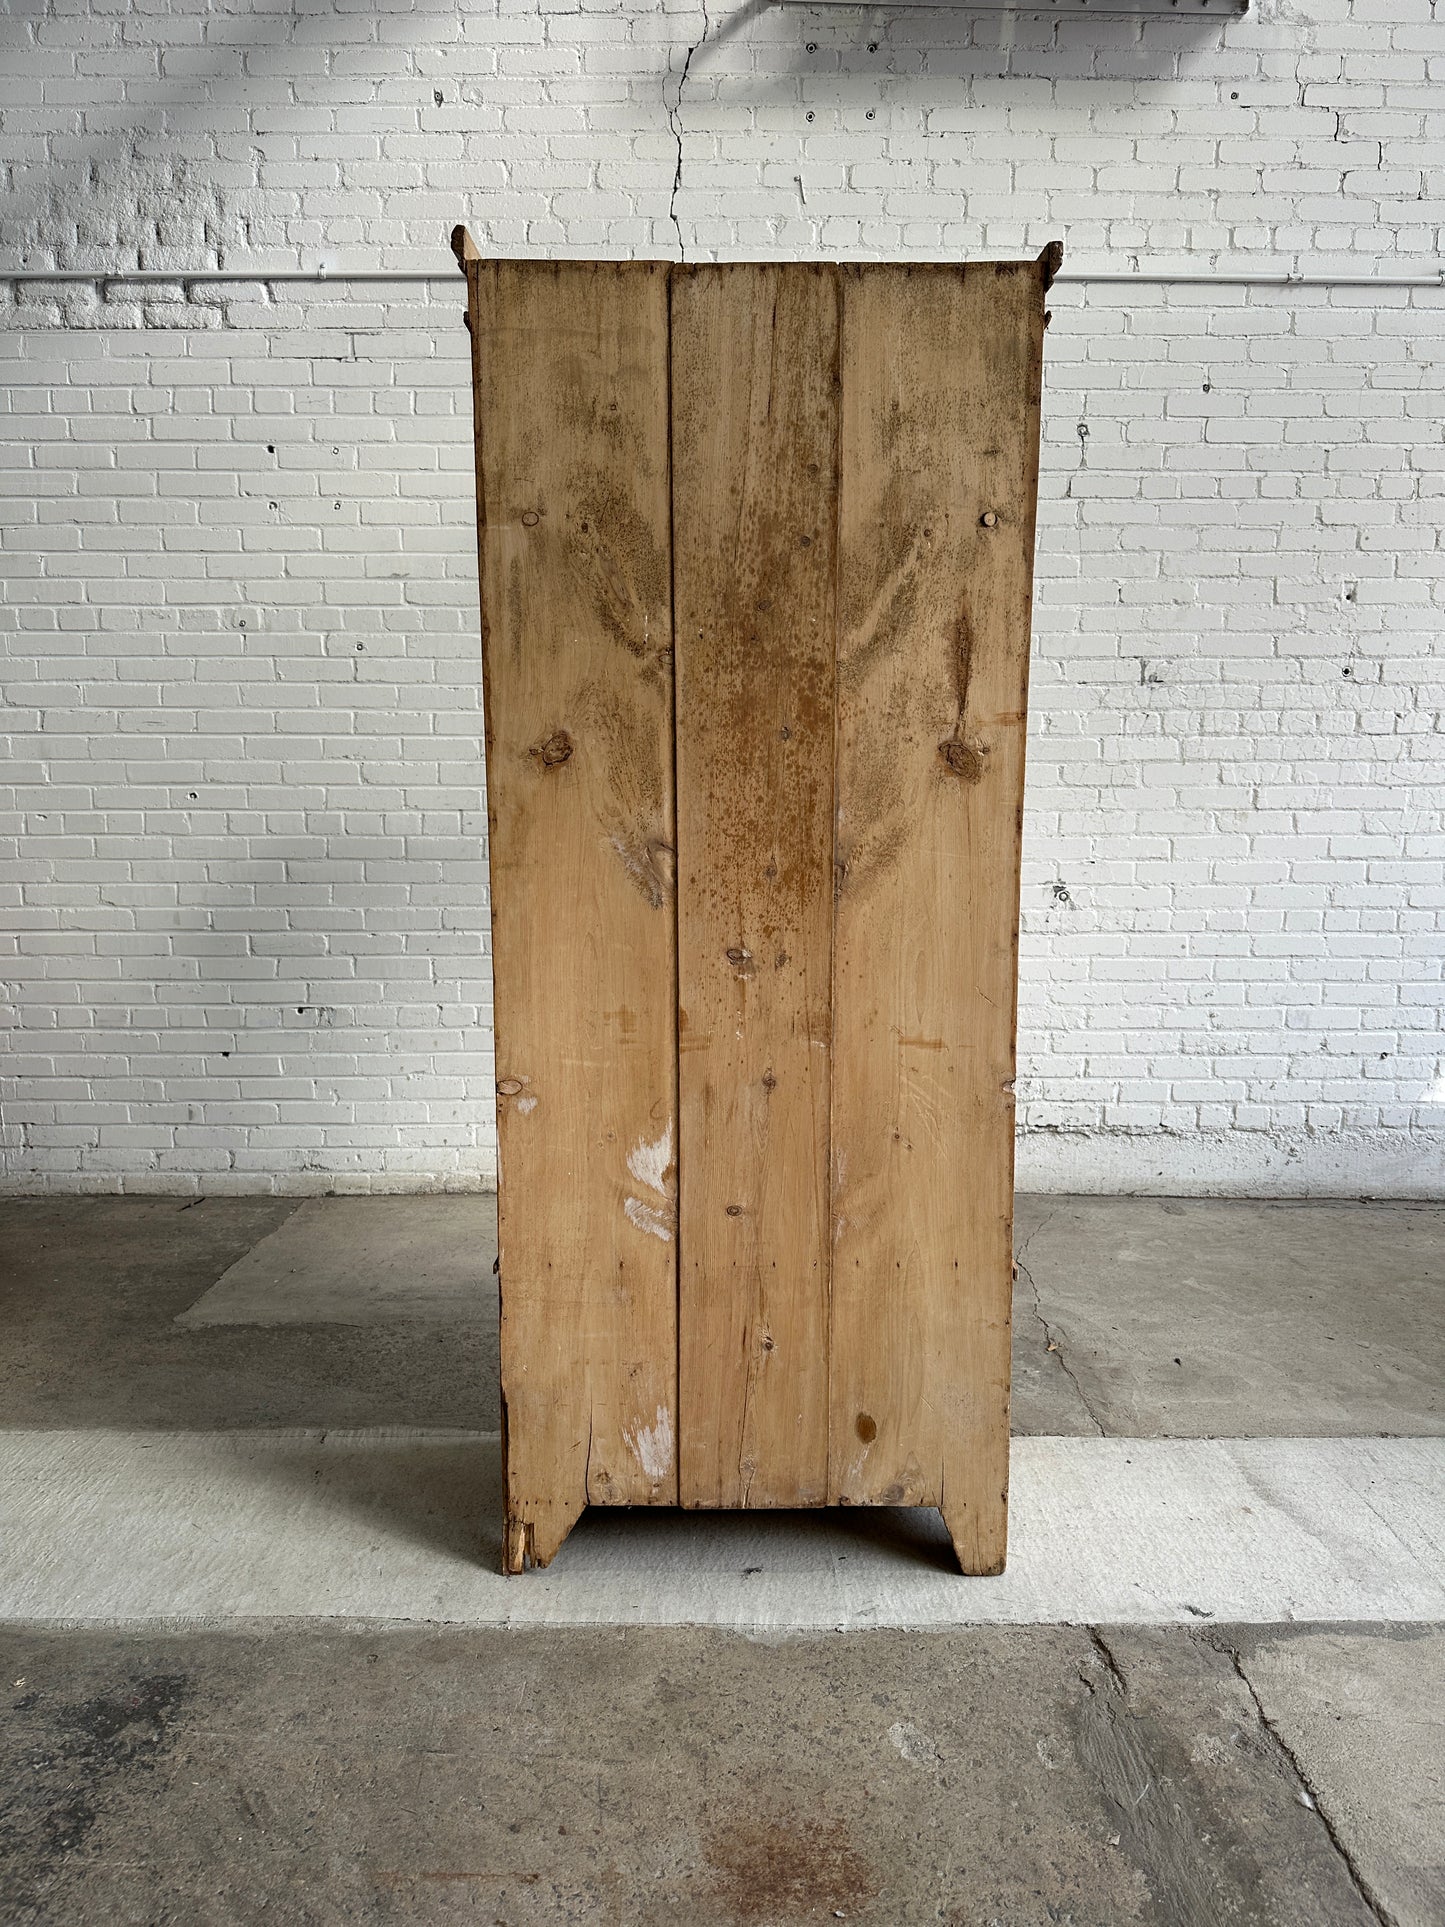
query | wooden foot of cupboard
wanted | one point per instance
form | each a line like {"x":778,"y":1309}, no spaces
{"x":756,"y":549}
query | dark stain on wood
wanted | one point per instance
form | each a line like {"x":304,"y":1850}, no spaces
{"x":902,"y":537}
{"x":962,"y":640}
{"x":632,"y":816}
{"x":964,"y":758}
{"x":613,"y":548}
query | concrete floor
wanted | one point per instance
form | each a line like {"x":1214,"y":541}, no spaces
{"x":303,"y":1770}
{"x":1135,"y":1317}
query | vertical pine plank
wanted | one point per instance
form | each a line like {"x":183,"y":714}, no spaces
{"x":570,"y":363}
{"x":941,"y":377}
{"x":754,"y":396}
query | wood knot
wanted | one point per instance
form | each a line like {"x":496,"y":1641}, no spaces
{"x":770,"y":1082}
{"x":988,"y":520}
{"x":530,"y":519}
{"x":734,"y":1210}
{"x":741,"y":960}
{"x":964,"y":759}
{"x":509,"y":1086}
{"x":866,"y":1428}
{"x":556,"y":749}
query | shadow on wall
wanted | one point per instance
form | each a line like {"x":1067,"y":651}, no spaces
{"x":867,"y":73}
{"x":868,"y":50}
{"x":140,"y":193}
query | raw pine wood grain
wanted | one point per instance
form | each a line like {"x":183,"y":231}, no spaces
{"x":570,"y":366}
{"x":823,"y":1023}
{"x":941,"y":377}
{"x":754,"y":397}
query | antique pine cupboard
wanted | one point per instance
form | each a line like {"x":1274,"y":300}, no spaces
{"x":756,"y":548}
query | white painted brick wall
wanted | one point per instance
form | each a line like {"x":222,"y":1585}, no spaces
{"x":243,"y":866}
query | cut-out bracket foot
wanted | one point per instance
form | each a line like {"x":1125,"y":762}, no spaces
{"x":980,"y":1538}
{"x":535,"y":1530}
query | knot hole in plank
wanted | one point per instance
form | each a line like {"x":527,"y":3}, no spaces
{"x":553,"y":750}
{"x":964,"y":759}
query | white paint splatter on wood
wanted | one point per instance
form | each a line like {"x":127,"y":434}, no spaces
{"x":651,"y":1445}
{"x":648,"y":1218}
{"x":649,"y":1163}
